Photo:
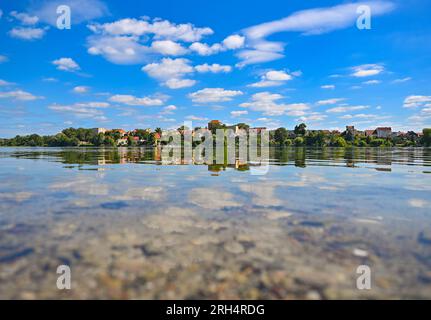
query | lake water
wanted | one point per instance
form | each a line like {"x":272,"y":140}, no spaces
{"x":131,"y":226}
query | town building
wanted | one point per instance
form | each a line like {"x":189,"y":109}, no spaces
{"x":259,"y":129}
{"x":383,"y":132}
{"x":99,"y":130}
{"x":120,"y":131}
{"x":369,"y":133}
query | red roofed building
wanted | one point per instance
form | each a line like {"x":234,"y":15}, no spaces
{"x":384,"y":132}
{"x":369,"y":133}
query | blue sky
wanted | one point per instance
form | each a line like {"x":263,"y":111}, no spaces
{"x":138,"y":64}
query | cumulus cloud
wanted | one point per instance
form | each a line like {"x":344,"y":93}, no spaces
{"x":272,"y":78}
{"x":204,"y":49}
{"x":312,"y":117}
{"x":170,"y":72}
{"x":82,"y":10}
{"x":120,"y":49}
{"x":363,"y":116}
{"x":24,"y":18}
{"x":66,"y":64}
{"x":27,"y":33}
{"x":127,"y":41}
{"x":135,"y":101}
{"x":346,"y":109}
{"x":329,"y":101}
{"x":238,"y":113}
{"x":19,"y":95}
{"x":168,"y":47}
{"x":417,"y":101}
{"x":214,"y":68}
{"x":268,"y":104}
{"x":180,"y":83}
{"x":196,"y":118}
{"x":160,"y":29}
{"x":328,"y":87}
{"x":81,"y":89}
{"x":232,"y":42}
{"x":367,"y":70}
{"x":213,"y":95}
{"x":83,"y":110}
{"x":169,"y":109}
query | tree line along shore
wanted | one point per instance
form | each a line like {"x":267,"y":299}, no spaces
{"x":300,"y":136}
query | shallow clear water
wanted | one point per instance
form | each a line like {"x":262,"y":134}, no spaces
{"x":130,"y":226}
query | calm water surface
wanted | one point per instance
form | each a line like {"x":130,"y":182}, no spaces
{"x":131,"y":226}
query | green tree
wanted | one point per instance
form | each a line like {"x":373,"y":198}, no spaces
{"x":280,"y":135}
{"x":299,"y":141}
{"x":339,"y":142}
{"x":300,"y":129}
{"x":131,"y":142}
{"x":109,"y":141}
{"x":426,"y":137}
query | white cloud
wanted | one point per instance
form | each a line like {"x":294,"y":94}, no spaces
{"x":418,"y":203}
{"x":346,"y":109}
{"x":315,"y":116}
{"x":213,"y":95}
{"x":83,"y":110}
{"x":311,"y":21}
{"x":119,"y":49}
{"x":82,"y":10}
{"x":171,"y":72}
{"x":402,"y":80}
{"x":180,"y":83}
{"x":3,"y":59}
{"x":168,"y":47}
{"x":160,"y":29}
{"x":238,"y":113}
{"x":367,"y":70}
{"x":272,"y":78}
{"x":318,"y":20}
{"x":135,"y":101}
{"x":214,"y":68}
{"x":19,"y":95}
{"x":328,"y":87}
{"x":416,"y":101}
{"x":81,"y":89}
{"x":256,"y":56}
{"x":233,"y":42}
{"x":363,"y":116}
{"x":204,"y":49}
{"x":266,"y":103}
{"x":50,"y":79}
{"x":24,"y":18}
{"x":196,"y":118}
{"x":27,"y":33}
{"x":169,"y":109}
{"x":4,"y":83}
{"x":371,"y":82}
{"x":329,"y":101}
{"x":66,"y":64}
{"x":122,"y":41}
